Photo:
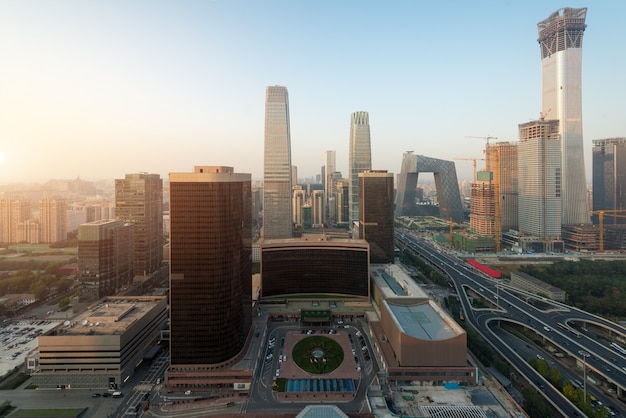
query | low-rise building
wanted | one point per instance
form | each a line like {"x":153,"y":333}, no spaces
{"x":532,"y":284}
{"x":101,"y":347}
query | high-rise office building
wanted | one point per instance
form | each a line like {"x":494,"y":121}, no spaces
{"x":609,"y":178}
{"x":330,"y":167}
{"x":299,"y":200}
{"x":277,"y":165}
{"x":210,"y":266}
{"x":360,"y":158}
{"x":342,"y":193}
{"x":105,"y":258}
{"x":317,"y":202}
{"x":139,"y":201}
{"x":376,"y":214}
{"x":53,"y":220}
{"x":560,"y":40}
{"x":539,"y":168}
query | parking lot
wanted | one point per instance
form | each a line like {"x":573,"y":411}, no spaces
{"x":19,"y":338}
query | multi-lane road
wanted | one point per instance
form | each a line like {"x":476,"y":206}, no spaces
{"x":561,"y":325}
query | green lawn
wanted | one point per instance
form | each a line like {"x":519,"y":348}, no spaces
{"x":317,"y":354}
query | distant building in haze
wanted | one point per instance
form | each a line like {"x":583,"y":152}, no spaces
{"x":210,"y":270}
{"x":277,"y":175}
{"x":53,"y":220}
{"x":609,"y":178}
{"x":317,"y":202}
{"x":139,"y":201}
{"x":299,"y":201}
{"x":360,"y":158}
{"x":539,"y":169}
{"x":560,"y":42}
{"x":105,"y":258}
{"x":12,"y":212}
{"x":376,"y":198}
{"x":330,"y":168}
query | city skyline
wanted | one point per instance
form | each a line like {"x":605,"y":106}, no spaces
{"x":90,"y":86}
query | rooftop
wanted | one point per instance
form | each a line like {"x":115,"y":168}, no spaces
{"x":110,"y":316}
{"x":422,"y":319}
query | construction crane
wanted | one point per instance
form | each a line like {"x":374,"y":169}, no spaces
{"x":486,"y":138}
{"x":542,"y":115}
{"x":472,"y":159}
{"x":616,"y":213}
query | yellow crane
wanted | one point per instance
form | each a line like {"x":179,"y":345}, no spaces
{"x":616,"y":213}
{"x":496,"y":183}
{"x":474,"y":160}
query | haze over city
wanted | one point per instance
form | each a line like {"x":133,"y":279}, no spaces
{"x":98,"y":89}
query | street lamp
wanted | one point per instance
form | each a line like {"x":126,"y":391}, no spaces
{"x":584,"y":354}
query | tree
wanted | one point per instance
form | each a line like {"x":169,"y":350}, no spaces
{"x":64,"y":303}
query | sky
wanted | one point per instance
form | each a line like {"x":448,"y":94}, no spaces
{"x":97,"y":89}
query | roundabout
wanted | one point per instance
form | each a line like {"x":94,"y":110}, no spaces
{"x":317,"y":354}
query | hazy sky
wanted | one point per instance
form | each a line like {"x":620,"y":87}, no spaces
{"x":98,"y":89}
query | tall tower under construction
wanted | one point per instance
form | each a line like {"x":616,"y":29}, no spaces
{"x":560,"y":41}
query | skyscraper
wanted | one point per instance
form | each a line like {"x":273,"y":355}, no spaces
{"x":376,"y":214}
{"x":539,"y":169}
{"x":609,"y":177}
{"x":105,"y":258}
{"x":560,"y":40}
{"x":12,"y":212}
{"x":277,"y":165}
{"x":210,"y":265}
{"x":330,"y":167}
{"x":139,"y":201}
{"x":360,"y":158}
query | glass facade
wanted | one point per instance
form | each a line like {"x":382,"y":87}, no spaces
{"x":360,"y":158}
{"x":609,"y":178}
{"x":315,"y":267}
{"x":560,"y":40}
{"x":444,"y":172}
{"x":210,"y":265}
{"x":139,"y":201}
{"x":277,"y":217}
{"x":539,"y":153}
{"x":376,"y":214}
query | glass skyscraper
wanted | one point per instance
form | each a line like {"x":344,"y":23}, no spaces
{"x":360,"y":158}
{"x":609,"y":177}
{"x":277,"y":216}
{"x":139,"y":201}
{"x":210,"y":266}
{"x":560,"y":39}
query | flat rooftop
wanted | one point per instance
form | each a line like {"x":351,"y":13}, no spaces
{"x":110,"y":316}
{"x":422,"y":320}
{"x":394,"y":281}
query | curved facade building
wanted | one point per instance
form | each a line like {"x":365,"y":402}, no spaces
{"x":320,"y":265}
{"x":360,"y":158}
{"x":421,"y":335}
{"x":560,"y":40}
{"x":210,"y":265}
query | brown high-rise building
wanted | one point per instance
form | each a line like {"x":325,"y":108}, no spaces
{"x":139,"y":201}
{"x":210,"y":266}
{"x":376,"y":214}
{"x":105,"y":258}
